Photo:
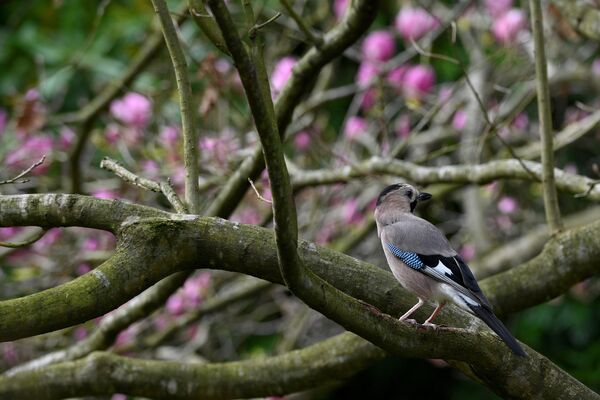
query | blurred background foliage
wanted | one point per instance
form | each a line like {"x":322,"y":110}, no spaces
{"x":56,"y":56}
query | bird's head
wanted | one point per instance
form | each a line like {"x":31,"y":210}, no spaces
{"x":401,"y":197}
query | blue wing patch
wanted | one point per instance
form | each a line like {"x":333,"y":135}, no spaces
{"x":408,"y":258}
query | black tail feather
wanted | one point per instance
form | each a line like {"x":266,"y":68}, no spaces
{"x":497,"y":326}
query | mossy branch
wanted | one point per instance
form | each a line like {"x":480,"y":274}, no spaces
{"x":105,"y":373}
{"x":153,"y":248}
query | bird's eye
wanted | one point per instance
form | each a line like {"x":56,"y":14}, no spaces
{"x":409,"y":194}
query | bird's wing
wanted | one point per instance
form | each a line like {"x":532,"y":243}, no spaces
{"x":423,"y":247}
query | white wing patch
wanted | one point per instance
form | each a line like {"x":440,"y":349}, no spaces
{"x":442,"y":269}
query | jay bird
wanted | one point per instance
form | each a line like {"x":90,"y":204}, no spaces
{"x":423,"y":261}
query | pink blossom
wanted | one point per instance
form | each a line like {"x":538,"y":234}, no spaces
{"x":150,"y":168}
{"x":66,"y":138}
{"x":445,"y":93}
{"x":402,"y":126}
{"x":507,"y":27}
{"x":571,"y":168}
{"x":160,"y":321}
{"x":302,"y":140}
{"x":418,"y":81}
{"x":168,"y":136}
{"x":131,"y":136}
{"x":127,"y":336}
{"x":112,"y":133}
{"x":176,"y":304}
{"x":104,"y":194}
{"x":369,"y":98}
{"x":520,"y":122}
{"x":9,"y":232}
{"x":3,"y":120}
{"x":80,"y":333}
{"x":9,"y":352}
{"x":396,"y":77}
{"x":459,"y":121}
{"x":222,"y":65}
{"x":178,"y":177}
{"x":218,"y":148}
{"x":282,"y":72}
{"x":379,"y":46}
{"x":351,"y":212}
{"x":467,"y":252}
{"x":574,"y":114}
{"x":194,"y":289}
{"x":29,"y":152}
{"x":91,"y":244}
{"x":324,"y":235}
{"x":367,"y":72}
{"x":266,"y":192}
{"x":504,"y":222}
{"x":414,"y":23}
{"x":48,"y":239}
{"x":32,"y":95}
{"x":497,"y":7}
{"x":83,"y":269}
{"x":507,"y":205}
{"x":491,"y":188}
{"x":355,"y":126}
{"x":340,"y":7}
{"x":133,"y":109}
{"x":247,"y":215}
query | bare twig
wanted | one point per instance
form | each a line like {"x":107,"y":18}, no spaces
{"x":23,"y":173}
{"x":255,"y":28}
{"x":257,"y":193}
{"x":148,"y":184}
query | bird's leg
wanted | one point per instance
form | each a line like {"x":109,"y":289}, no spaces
{"x":412,"y":310}
{"x":434,"y":314}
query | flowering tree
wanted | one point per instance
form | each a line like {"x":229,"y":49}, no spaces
{"x":133,"y":227}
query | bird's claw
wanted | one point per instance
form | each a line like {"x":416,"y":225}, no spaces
{"x":409,"y":321}
{"x":430,"y":325}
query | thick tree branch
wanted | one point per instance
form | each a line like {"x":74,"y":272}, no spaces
{"x":480,"y":174}
{"x":110,"y":327}
{"x":51,"y":210}
{"x":104,"y":374}
{"x":545,"y":118}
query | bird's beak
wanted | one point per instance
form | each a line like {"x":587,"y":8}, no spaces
{"x":423,"y":196}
